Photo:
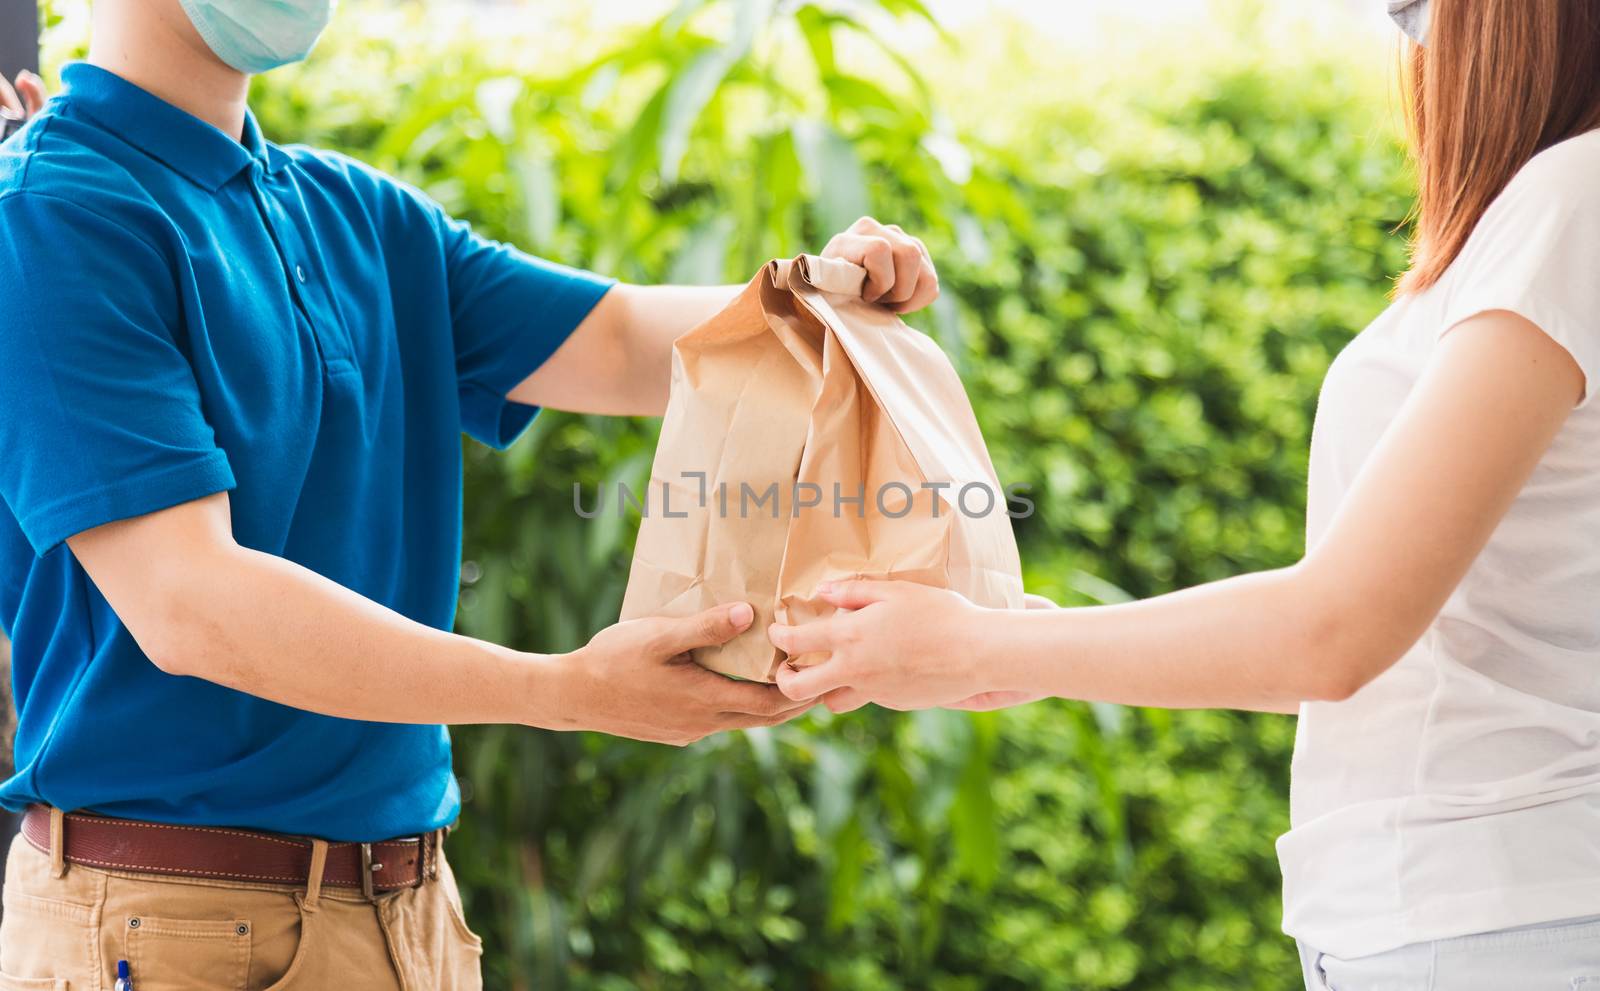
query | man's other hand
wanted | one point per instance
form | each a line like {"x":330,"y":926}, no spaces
{"x":636,"y":679}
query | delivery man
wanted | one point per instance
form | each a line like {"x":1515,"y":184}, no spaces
{"x":233,"y":379}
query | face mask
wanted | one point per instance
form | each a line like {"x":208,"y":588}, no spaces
{"x":257,"y":35}
{"x":1412,"y":16}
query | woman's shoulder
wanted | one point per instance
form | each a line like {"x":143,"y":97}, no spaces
{"x":1534,"y":252}
{"x":1554,"y":198}
{"x":1568,"y":169}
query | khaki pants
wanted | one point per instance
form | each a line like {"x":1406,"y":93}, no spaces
{"x":67,"y":933}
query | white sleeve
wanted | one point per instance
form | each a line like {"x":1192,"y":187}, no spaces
{"x":1536,"y":253}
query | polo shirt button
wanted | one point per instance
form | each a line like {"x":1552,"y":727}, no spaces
{"x":300,"y":273}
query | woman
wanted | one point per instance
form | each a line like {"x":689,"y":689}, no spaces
{"x":1441,"y":638}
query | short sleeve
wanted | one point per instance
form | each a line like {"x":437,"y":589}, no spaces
{"x":509,"y":312}
{"x":100,"y":416}
{"x":1536,"y":253}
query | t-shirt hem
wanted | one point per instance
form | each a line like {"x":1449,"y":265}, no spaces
{"x":492,"y":419}
{"x":487,"y":414}
{"x":408,"y":810}
{"x":1475,"y":914}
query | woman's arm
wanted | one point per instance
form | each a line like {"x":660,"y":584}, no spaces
{"x":1492,"y":399}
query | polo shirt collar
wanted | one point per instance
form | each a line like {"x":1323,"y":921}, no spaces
{"x":183,"y":142}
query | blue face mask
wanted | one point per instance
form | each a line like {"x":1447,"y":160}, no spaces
{"x":257,"y":35}
{"x":1412,"y":16}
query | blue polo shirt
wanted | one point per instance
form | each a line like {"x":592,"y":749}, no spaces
{"x":183,"y":314}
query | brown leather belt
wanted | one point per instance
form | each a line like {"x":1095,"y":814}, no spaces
{"x":233,"y":854}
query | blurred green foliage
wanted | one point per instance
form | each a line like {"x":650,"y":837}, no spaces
{"x":1148,"y":261}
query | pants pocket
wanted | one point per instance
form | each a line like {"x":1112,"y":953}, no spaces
{"x":8,"y":983}
{"x":178,"y":954}
{"x":429,"y":938}
{"x":457,"y":913}
{"x":45,"y":940}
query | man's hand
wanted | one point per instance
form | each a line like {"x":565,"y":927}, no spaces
{"x":25,"y":99}
{"x":636,"y":679}
{"x":619,"y":360}
{"x":900,"y":272}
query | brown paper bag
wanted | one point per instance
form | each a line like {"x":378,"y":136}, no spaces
{"x":811,"y":436}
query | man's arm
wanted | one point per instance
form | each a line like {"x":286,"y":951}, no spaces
{"x":200,"y":605}
{"x":619,"y":360}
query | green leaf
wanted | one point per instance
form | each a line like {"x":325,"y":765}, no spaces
{"x":631,"y":155}
{"x":1111,"y":809}
{"x":974,"y":819}
{"x":679,"y":17}
{"x":703,"y":259}
{"x":1098,"y":589}
{"x":534,"y":168}
{"x":608,"y":530}
{"x":497,"y":101}
{"x":753,"y":16}
{"x":835,"y":179}
{"x":687,"y":96}
{"x":834,"y":786}
{"x":949,"y":328}
{"x":817,"y":27}
{"x":852,"y":94}
{"x":692,"y":88}
{"x":849,"y":865}
{"x":898,"y":57}
{"x":953,"y":156}
{"x":600,"y":84}
{"x":914,"y":8}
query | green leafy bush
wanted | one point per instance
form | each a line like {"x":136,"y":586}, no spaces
{"x":1146,"y":272}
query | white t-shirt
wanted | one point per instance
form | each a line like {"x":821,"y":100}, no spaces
{"x":1459,"y":792}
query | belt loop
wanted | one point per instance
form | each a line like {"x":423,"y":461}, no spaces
{"x":58,"y":843}
{"x":367,"y":869}
{"x":319,"y":865}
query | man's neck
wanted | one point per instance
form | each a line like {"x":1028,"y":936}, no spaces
{"x":156,"y":48}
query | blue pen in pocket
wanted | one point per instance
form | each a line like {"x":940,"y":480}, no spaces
{"x":124,"y":982}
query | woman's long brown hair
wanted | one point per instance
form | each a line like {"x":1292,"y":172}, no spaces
{"x":1499,"y":82}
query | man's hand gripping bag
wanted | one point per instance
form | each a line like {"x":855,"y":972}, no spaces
{"x":812,"y":436}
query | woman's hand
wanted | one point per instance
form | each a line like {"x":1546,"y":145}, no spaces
{"x":899,"y":644}
{"x":900,"y":272}
{"x":989,"y":701}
